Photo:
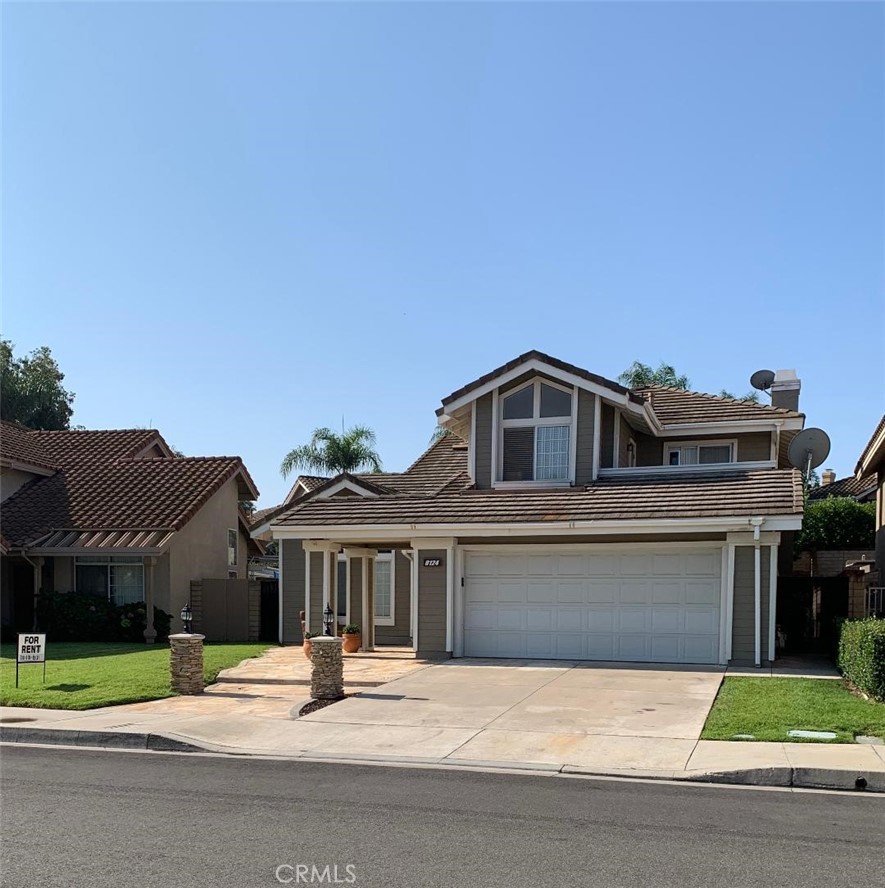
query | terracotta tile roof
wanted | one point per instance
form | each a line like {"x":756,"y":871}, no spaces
{"x":674,"y":406}
{"x":88,"y":447}
{"x":850,"y":486}
{"x":21,"y":446}
{"x":443,"y":461}
{"x":534,"y":354}
{"x":148,"y":494}
{"x":766,"y":492}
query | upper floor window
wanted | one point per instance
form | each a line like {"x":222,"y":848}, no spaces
{"x":536,"y":423}
{"x":231,"y":548}
{"x":698,"y":454}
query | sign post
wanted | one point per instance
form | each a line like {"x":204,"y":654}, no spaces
{"x":31,"y":649}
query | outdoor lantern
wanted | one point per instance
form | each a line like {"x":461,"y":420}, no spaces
{"x":187,"y":616}
{"x":328,"y":616}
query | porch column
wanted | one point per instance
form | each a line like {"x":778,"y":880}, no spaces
{"x":150,"y":633}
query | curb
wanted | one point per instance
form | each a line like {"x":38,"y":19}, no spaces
{"x":776,"y":777}
{"x":101,"y":739}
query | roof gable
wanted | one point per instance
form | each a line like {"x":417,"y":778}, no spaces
{"x":89,"y":448}
{"x":874,"y":452}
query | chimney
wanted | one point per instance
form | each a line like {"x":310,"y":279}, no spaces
{"x":785,"y":390}
{"x":827,"y":476}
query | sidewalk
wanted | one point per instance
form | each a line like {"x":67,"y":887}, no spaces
{"x":253,"y":709}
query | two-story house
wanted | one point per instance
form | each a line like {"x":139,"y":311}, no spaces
{"x":564,"y":517}
{"x":116,"y":514}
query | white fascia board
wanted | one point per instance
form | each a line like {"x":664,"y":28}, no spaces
{"x":675,"y":430}
{"x":438,"y":532}
{"x":871,"y":455}
{"x":346,"y":484}
{"x":540,"y":367}
{"x":27,"y":467}
{"x":712,"y":468}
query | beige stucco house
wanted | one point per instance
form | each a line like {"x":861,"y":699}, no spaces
{"x":115,"y":513}
{"x":564,"y":517}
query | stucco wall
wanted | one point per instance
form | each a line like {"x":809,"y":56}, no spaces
{"x":12,"y":480}
{"x":199,"y":550}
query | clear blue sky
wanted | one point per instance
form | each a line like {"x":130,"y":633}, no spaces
{"x":237,"y":222}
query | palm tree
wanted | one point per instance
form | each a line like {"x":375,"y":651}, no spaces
{"x":331,"y":453}
{"x":639,"y":374}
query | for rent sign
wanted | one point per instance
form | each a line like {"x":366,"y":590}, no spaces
{"x":31,"y":649}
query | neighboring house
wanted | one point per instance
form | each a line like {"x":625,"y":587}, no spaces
{"x":861,"y":489}
{"x":567,"y":517}
{"x":116,"y":514}
{"x":872,"y":465}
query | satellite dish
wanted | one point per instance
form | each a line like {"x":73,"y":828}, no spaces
{"x":762,"y":380}
{"x":809,"y":449}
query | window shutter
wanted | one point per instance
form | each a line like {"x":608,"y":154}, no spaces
{"x":519,"y":454}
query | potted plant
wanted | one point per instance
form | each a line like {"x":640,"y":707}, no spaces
{"x":352,"y":638}
{"x":308,"y":645}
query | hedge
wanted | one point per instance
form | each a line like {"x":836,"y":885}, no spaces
{"x":862,"y":655}
{"x":76,"y":616}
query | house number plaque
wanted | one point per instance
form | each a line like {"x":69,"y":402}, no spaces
{"x":432,"y":562}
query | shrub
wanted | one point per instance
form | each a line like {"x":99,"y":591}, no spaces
{"x":862,"y":655}
{"x":77,"y":616}
{"x":838,"y":522}
{"x":351,"y":629}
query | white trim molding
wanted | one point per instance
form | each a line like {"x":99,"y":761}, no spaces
{"x":772,"y":603}
{"x":346,"y":484}
{"x":665,"y":469}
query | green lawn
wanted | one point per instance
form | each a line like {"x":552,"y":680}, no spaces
{"x":768,"y":708}
{"x":84,"y":676}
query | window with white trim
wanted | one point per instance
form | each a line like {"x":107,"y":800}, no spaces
{"x":120,"y":578}
{"x":536,"y":430}
{"x":231,"y":548}
{"x":700,"y":454}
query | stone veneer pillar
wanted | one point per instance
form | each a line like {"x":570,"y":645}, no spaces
{"x":327,"y":673}
{"x":186,"y":663}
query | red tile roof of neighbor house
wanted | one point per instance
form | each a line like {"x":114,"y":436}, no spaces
{"x":768,"y":492}
{"x":101,"y":487}
{"x":674,"y":406}
{"x":850,"y":486}
{"x":21,"y":447}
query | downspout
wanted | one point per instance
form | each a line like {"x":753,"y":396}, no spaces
{"x":756,"y":524}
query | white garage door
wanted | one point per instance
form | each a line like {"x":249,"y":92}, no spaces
{"x":653,"y":606}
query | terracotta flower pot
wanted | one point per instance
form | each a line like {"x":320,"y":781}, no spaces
{"x":308,"y":648}
{"x":352,"y":642}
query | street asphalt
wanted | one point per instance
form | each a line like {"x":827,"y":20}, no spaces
{"x":96,"y":818}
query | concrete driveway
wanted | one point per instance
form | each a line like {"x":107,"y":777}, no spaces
{"x":620,"y":716}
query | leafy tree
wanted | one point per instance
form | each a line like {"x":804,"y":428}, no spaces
{"x":838,"y":522}
{"x":749,"y":396}
{"x":639,"y":374}
{"x":330,"y":453}
{"x":32,"y":390}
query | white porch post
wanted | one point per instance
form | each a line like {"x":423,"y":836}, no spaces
{"x":329,"y":552}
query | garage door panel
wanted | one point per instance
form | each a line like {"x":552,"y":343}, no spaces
{"x":635,"y":593}
{"x":600,"y":619}
{"x":701,"y":621}
{"x":635,"y":565}
{"x":702,"y":592}
{"x":602,"y":591}
{"x":511,"y":619}
{"x":704,"y":564}
{"x":657,"y":605}
{"x":539,"y":619}
{"x":512,"y":591}
{"x":667,"y":620}
{"x":633,"y":619}
{"x":571,"y":591}
{"x":541,"y":591}
{"x":601,"y":565}
{"x":671,"y":592}
{"x":540,"y":565}
{"x":666,"y":648}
